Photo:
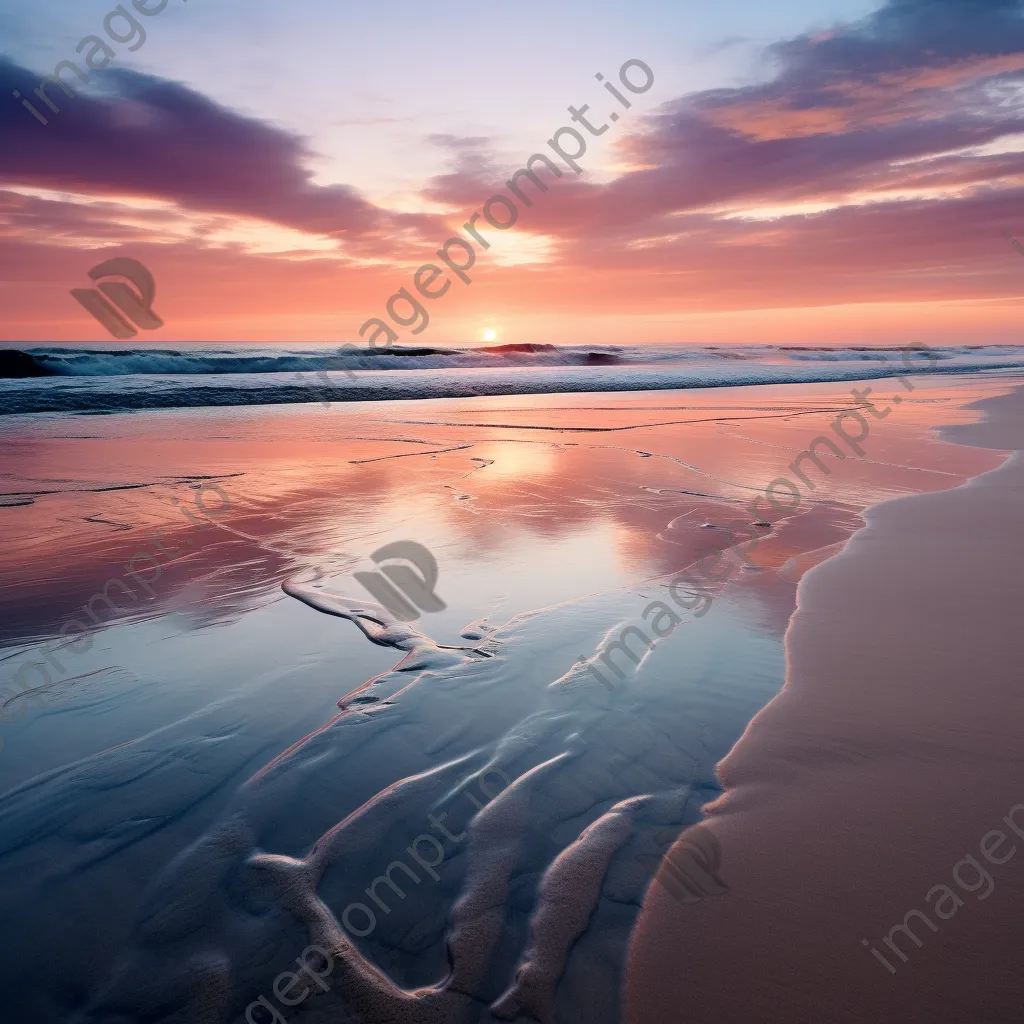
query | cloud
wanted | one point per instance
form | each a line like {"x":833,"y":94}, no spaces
{"x":875,"y":165}
{"x":854,"y":170}
{"x":844,"y":114}
{"x":363,"y":122}
{"x":152,"y":138}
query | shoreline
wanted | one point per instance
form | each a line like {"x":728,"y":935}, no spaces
{"x":891,"y":750}
{"x":548,"y":530}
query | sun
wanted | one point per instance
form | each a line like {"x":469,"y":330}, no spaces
{"x":490,"y":335}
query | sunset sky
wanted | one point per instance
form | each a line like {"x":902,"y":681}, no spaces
{"x":799,"y":172}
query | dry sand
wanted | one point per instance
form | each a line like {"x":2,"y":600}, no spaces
{"x":895,"y":747}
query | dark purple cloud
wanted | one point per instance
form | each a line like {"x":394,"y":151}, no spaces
{"x":853,"y":119}
{"x":914,"y":81}
{"x":159,"y":139}
{"x":862,"y":124}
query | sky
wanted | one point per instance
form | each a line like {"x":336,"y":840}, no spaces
{"x":793,"y":172}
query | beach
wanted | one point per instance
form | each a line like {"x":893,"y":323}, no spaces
{"x":244,"y":761}
{"x":530,"y":545}
{"x":871,"y":820}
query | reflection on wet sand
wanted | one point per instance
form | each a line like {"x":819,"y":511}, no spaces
{"x":894,"y":747}
{"x":229,"y":818}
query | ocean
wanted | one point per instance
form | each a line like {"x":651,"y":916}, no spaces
{"x":107,"y":378}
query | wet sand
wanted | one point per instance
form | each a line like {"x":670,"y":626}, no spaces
{"x":233,"y":760}
{"x":894,"y":751}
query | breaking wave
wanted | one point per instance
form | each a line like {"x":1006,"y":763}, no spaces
{"x":96,"y":379}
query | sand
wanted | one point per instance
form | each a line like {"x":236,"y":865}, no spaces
{"x":895,"y":748}
{"x":238,"y":757}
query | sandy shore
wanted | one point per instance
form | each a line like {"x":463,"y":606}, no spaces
{"x":226,"y":768}
{"x":893,"y":753}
